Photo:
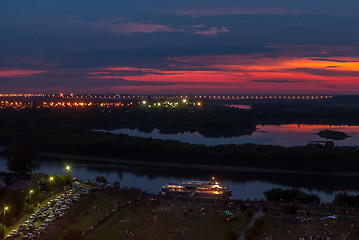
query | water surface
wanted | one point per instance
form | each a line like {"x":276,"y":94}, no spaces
{"x":284,"y":135}
{"x":244,"y":185}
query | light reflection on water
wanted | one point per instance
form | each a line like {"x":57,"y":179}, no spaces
{"x":239,"y":106}
{"x":244,"y":185}
{"x":283,"y":135}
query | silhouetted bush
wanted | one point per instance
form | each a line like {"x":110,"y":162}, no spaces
{"x":2,"y":231}
{"x":291,"y":209}
{"x":346,"y":200}
{"x":101,"y":179}
{"x":289,"y":195}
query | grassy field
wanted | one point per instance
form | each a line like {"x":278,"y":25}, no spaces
{"x":160,"y":220}
{"x":147,"y":219}
{"x":82,"y":215}
{"x":317,"y":223}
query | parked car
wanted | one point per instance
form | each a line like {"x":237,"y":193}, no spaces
{"x":31,"y":219}
{"x":30,"y":235}
{"x":9,"y":237}
{"x":21,"y":228}
{"x":42,"y":226}
{"x":15,"y":233}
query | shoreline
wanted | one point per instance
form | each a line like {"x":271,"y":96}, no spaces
{"x":192,"y":166}
{"x":99,"y":160}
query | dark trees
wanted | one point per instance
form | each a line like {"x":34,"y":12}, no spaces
{"x":20,"y":157}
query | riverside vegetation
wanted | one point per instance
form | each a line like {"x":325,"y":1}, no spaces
{"x":69,"y":131}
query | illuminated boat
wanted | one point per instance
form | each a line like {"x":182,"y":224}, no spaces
{"x":197,"y":189}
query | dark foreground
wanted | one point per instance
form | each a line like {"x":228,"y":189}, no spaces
{"x":110,"y":212}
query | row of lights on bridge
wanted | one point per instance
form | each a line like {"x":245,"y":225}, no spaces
{"x":173,"y":96}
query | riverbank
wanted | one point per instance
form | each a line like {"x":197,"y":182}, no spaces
{"x":150,"y":216}
{"x":130,"y":213}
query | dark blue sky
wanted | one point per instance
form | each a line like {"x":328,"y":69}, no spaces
{"x":259,"y":46}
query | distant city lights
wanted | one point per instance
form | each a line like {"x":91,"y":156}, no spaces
{"x":23,"y":101}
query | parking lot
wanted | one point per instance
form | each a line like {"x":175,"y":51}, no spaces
{"x":49,"y":212}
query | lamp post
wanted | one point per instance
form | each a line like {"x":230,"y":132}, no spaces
{"x":5,"y":209}
{"x":51,"y":180}
{"x":68,"y":169}
{"x":30,"y":192}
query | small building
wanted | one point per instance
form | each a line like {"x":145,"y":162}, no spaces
{"x":19,"y":185}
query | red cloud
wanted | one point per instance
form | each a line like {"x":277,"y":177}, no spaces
{"x":252,"y":74}
{"x":19,"y":73}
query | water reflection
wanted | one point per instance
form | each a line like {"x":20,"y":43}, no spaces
{"x":244,"y":184}
{"x":239,"y":106}
{"x":283,"y":135}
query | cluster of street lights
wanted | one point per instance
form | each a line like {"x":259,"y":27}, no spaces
{"x":51,"y":179}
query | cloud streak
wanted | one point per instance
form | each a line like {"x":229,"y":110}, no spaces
{"x":19,"y":73}
{"x":276,"y":81}
{"x":212,"y":31}
{"x":331,"y":60}
{"x":128,"y":28}
{"x":218,"y":11}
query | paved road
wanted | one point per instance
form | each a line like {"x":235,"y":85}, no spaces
{"x":258,"y":214}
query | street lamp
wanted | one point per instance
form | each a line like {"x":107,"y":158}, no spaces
{"x":68,"y":169}
{"x":31,"y":191}
{"x":5,"y":209}
{"x":51,"y":179}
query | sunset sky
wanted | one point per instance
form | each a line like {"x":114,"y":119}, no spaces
{"x":179,"y":47}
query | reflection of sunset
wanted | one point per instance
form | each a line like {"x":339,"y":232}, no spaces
{"x":284,"y":135}
{"x":305,"y":128}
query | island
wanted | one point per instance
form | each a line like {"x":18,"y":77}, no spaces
{"x":334,"y":135}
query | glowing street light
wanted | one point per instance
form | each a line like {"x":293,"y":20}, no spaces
{"x":68,"y":169}
{"x":143,"y":102}
{"x":5,"y":209}
{"x":184,"y":100}
{"x":51,"y":178}
{"x":30,"y":192}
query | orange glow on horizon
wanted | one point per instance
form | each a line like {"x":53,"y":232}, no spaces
{"x":222,"y":74}
{"x":249,"y":73}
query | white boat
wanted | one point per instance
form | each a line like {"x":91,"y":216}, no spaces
{"x":197,"y":189}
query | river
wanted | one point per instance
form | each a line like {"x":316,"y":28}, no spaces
{"x":244,"y":184}
{"x":285,"y":135}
